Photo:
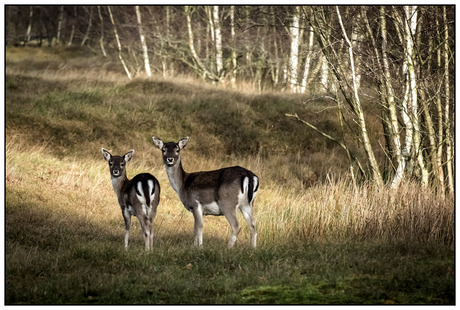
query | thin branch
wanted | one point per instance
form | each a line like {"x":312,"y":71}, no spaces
{"x":342,"y":145}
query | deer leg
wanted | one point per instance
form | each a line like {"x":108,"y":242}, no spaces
{"x":127,"y":218}
{"x":233,"y":221}
{"x":198,"y":227}
{"x":246,"y":210}
{"x":151,"y":227}
{"x":145,"y":226}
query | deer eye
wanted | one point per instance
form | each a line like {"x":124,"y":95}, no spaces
{"x":122,"y":165}
{"x":110,"y":163}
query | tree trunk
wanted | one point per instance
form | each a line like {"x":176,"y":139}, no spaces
{"x":210,"y":51}
{"x":90,"y":21}
{"x":232,"y":32}
{"x":432,"y":139}
{"x":294,"y":55}
{"x":118,"y":43}
{"x":101,"y":39}
{"x":386,"y":93}
{"x":59,"y":26}
{"x":449,"y":161}
{"x":411,"y":17}
{"x":393,"y":113}
{"x":306,"y":71}
{"x":406,"y":105}
{"x":145,"y":52}
{"x":439,"y":109}
{"x":218,"y":42}
{"x":195,"y":57}
{"x":29,"y":26}
{"x":276,"y":67}
{"x":377,"y":177}
{"x":72,"y":31}
{"x":324,"y":73}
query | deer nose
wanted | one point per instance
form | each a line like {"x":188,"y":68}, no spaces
{"x":170,"y":160}
{"x":116,"y":173}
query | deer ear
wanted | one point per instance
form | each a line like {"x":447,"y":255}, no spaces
{"x":106,"y":154}
{"x":128,"y":156}
{"x":183,"y":142}
{"x":158,"y":143}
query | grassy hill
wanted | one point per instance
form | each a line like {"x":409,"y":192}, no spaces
{"x":322,"y":240}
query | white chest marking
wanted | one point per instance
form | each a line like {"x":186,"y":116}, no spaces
{"x":115,"y":184}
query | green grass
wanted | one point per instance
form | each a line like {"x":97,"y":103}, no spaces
{"x":321,"y":241}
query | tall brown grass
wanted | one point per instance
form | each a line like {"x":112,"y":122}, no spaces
{"x":336,"y":211}
{"x":340,"y":211}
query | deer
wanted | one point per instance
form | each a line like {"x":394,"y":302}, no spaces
{"x":138,"y":197}
{"x":218,"y":192}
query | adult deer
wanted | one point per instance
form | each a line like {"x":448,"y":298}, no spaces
{"x":139,"y":197}
{"x":217,"y":192}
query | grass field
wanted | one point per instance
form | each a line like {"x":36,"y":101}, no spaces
{"x":321,"y":240}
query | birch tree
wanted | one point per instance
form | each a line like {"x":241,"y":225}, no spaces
{"x":449,"y":161}
{"x":356,"y":102}
{"x":306,"y":71}
{"x":200,"y":67}
{"x":389,"y":95}
{"x":218,"y":42}
{"x":348,"y":86}
{"x":59,"y":25}
{"x":29,"y":26}
{"x":294,"y":54}
{"x":101,"y":38}
{"x":233,"y":57}
{"x":90,"y":22}
{"x":145,"y":51}
{"x":117,"y":38}
{"x":72,"y":31}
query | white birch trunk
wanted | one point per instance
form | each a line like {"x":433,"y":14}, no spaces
{"x":276,"y":69}
{"x":85,"y":38}
{"x":59,"y":27}
{"x":294,"y":55}
{"x":232,"y":32}
{"x":72,"y":31}
{"x":406,"y":105}
{"x":101,"y":38}
{"x":411,"y":13}
{"x":210,"y":50}
{"x":29,"y":26}
{"x":324,"y":73}
{"x":359,"y":111}
{"x":440,"y":116}
{"x":303,"y":84}
{"x":145,"y":51}
{"x":356,"y":38}
{"x":393,"y":114}
{"x":449,"y":162}
{"x":195,"y":57}
{"x":218,"y":42}
{"x":118,"y":44}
